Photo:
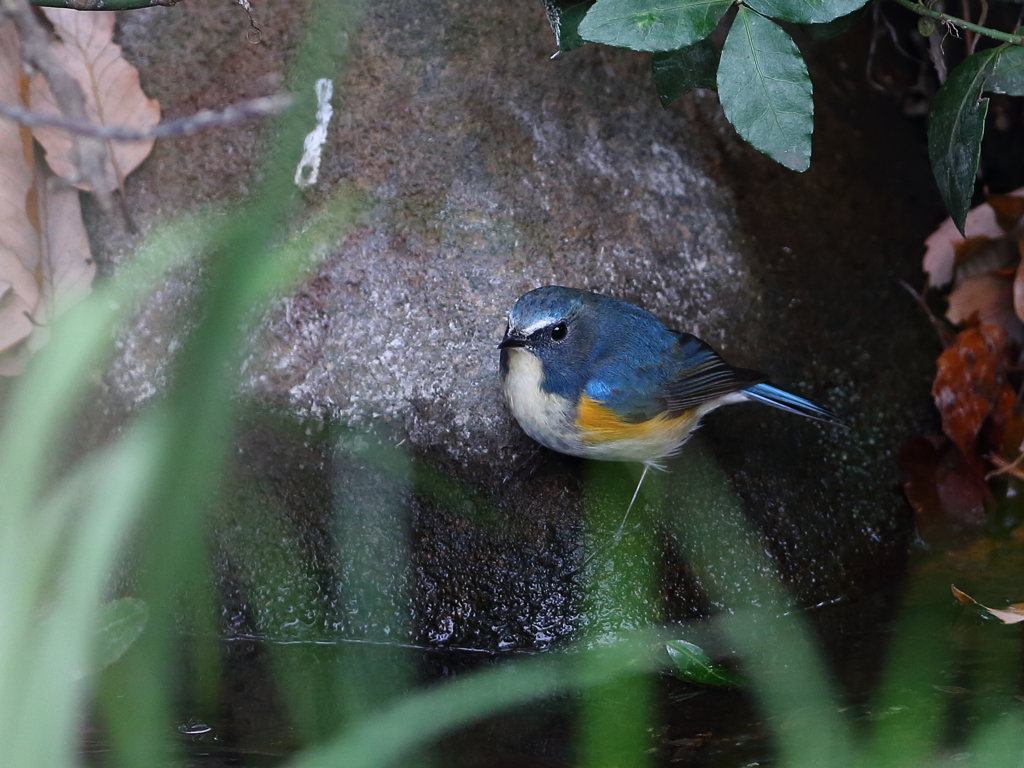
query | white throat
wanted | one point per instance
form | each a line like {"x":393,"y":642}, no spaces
{"x":544,"y":416}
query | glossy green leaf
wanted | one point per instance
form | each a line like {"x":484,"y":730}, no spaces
{"x":565,"y":16}
{"x":806,"y":11}
{"x":692,"y":665}
{"x":1008,"y":75}
{"x":955,"y":129}
{"x":652,"y":25}
{"x":118,"y":626}
{"x":765,"y":90}
{"x":676,"y":72}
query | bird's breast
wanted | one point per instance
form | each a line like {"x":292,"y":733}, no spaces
{"x":546,"y":417}
{"x":607,"y":435}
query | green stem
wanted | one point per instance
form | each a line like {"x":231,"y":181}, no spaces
{"x":101,"y":5}
{"x":945,"y":18}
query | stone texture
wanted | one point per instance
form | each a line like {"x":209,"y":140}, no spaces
{"x":489,"y":169}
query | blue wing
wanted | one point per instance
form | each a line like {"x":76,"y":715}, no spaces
{"x":664,"y":372}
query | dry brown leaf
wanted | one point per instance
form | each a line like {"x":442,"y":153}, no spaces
{"x":986,"y":299}
{"x":940,"y":257}
{"x":45,"y":263}
{"x":979,"y":254}
{"x":970,"y":384}
{"x":1012,"y":614}
{"x":1018,"y":284}
{"x":1008,"y":209}
{"x":66,"y":269}
{"x":112,"y":92}
{"x":950,"y":499}
{"x":19,"y":292}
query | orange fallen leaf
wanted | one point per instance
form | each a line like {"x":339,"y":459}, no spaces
{"x":1012,"y":614}
{"x":113,"y":94}
{"x":970,"y":382}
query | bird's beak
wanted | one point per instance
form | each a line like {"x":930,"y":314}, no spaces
{"x":511,"y":340}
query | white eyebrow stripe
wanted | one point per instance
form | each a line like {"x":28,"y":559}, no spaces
{"x":542,"y":323}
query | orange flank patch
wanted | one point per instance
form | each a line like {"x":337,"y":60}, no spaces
{"x":599,"y":424}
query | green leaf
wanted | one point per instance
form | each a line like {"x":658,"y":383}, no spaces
{"x":677,"y":72}
{"x":692,"y":665}
{"x":955,"y":129}
{"x":836,"y":27}
{"x":805,"y":11}
{"x":565,"y":16}
{"x":1008,"y":75}
{"x":765,"y":90}
{"x":118,"y":626}
{"x":652,"y":25}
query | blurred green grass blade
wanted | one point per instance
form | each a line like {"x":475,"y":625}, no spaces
{"x":387,"y":737}
{"x":59,"y":375}
{"x":118,"y":625}
{"x":778,"y":654}
{"x":910,"y":712}
{"x":44,"y":727}
{"x":615,"y":718}
{"x":244,"y":271}
{"x":999,"y":744}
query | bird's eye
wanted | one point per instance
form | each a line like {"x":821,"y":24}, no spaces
{"x":558,"y":331}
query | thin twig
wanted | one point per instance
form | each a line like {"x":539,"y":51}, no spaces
{"x":35,"y":51}
{"x":182,"y":126}
{"x":970,"y":39}
{"x":945,"y":18}
{"x":101,"y":5}
{"x":1003,"y":467}
{"x":946,"y":334}
{"x":981,"y":22}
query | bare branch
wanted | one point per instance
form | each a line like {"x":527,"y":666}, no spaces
{"x":35,"y":51}
{"x":101,"y":5}
{"x":183,"y":126}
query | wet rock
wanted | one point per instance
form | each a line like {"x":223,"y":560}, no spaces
{"x":491,"y":168}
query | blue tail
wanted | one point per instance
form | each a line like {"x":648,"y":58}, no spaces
{"x":769,"y":395}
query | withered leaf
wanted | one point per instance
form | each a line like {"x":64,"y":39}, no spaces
{"x":1012,"y":614}
{"x":19,"y":292}
{"x":970,"y":382}
{"x":979,"y":254}
{"x":986,"y":299}
{"x":112,"y":91}
{"x":1018,"y":284}
{"x":1008,"y":209}
{"x":939,"y":257}
{"x":45,"y":263}
{"x":949,"y":496}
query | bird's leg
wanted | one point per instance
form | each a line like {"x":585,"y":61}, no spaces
{"x":618,"y":533}
{"x":617,"y":537}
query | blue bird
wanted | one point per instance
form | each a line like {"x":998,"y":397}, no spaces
{"x":592,"y":376}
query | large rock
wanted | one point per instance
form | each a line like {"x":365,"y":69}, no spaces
{"x":492,"y":168}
